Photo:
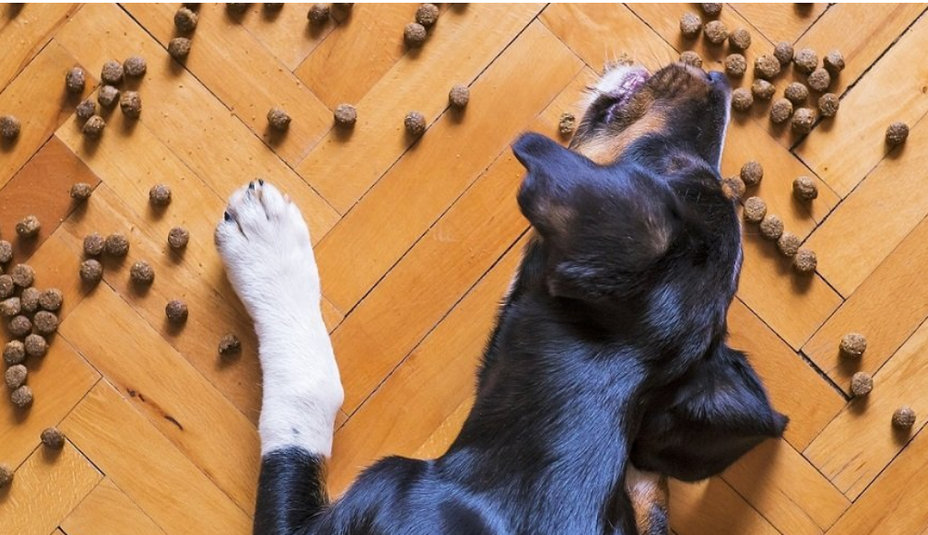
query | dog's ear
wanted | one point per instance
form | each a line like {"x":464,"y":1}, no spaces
{"x":703,"y":423}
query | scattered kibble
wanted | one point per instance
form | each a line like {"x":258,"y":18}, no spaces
{"x":762,"y":89}
{"x":14,"y":352}
{"x":711,"y":10}
{"x":108,"y":96}
{"x":86,"y":109}
{"x":19,"y":326}
{"x":74,"y":80}
{"x":803,"y":119}
{"x":229,"y":345}
{"x":52,"y":438}
{"x":131,"y":104}
{"x":853,"y":345}
{"x":733,"y":188}
{"x":414,"y":123}
{"x":740,"y":39}
{"x":35,"y":345}
{"x":690,"y":25}
{"x":91,"y":271}
{"x":9,"y":127}
{"x":142,"y":273}
{"x":176,"y":311}
{"x":896,"y":133}
{"x":566,"y":124}
{"x":93,"y":244}
{"x":159,"y":195}
{"x":804,"y":188}
{"x":10,"y":307}
{"x":340,"y":12}
{"x":22,"y":396}
{"x":735,"y":65}
{"x":459,"y":96}
{"x":6,"y":286}
{"x":116,"y":245}
{"x":771,"y":227}
{"x":185,"y":20}
{"x":346,"y":115}
{"x":805,"y":261}
{"x":861,"y":384}
{"x":278,"y":119}
{"x":94,"y":126}
{"x":806,"y":60}
{"x":414,"y":34}
{"x":427,"y":14}
{"x":179,"y":48}
{"x":688,"y":57}
{"x":273,"y":6}
{"x":783,"y":51}
{"x":135,"y":66}
{"x":752,"y":173}
{"x":715,"y":32}
{"x":796,"y":92}
{"x":178,"y":238}
{"x":834,"y":61}
{"x":23,"y":275}
{"x":904,"y":418}
{"x":788,"y":243}
{"x":29,"y":299}
{"x":828,"y":104}
{"x":766,"y":66}
{"x":28,"y":227}
{"x":45,"y":322}
{"x":754,"y":209}
{"x":6,"y":475}
{"x":81,"y":191}
{"x":111,"y":73}
{"x":318,"y":13}
{"x":236,"y":8}
{"x":6,"y":251}
{"x":741,"y":99}
{"x":15,"y":376}
{"x":51,"y":299}
{"x":819,"y":80}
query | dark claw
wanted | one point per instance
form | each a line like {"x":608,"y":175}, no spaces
{"x":226,"y":216}
{"x":261,"y":181}
{"x":251,"y":185}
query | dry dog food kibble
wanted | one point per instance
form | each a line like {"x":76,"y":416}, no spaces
{"x":6,"y":475}
{"x":93,"y":244}
{"x":788,"y":243}
{"x":803,"y":119}
{"x":806,"y":60}
{"x":28,"y":227}
{"x":733,"y":188}
{"x":853,"y":345}
{"x":690,"y":25}
{"x":716,"y":32}
{"x":762,"y":89}
{"x":771,"y":227}
{"x":6,"y":251}
{"x":91,"y":271}
{"x":741,"y":99}
{"x":459,"y":96}
{"x":904,"y":418}
{"x":346,"y":115}
{"x":116,"y":245}
{"x":229,"y":345}
{"x":14,"y":352}
{"x":567,"y":124}
{"x":819,"y":80}
{"x":834,"y":61}
{"x":796,"y":92}
{"x":414,"y":123}
{"x":51,"y":299}
{"x":414,"y":34}
{"x":23,"y":275}
{"x":74,"y":80}
{"x":805,"y":261}
{"x":111,"y":73}
{"x":828,"y":104}
{"x":15,"y":376}
{"x":688,"y":57}
{"x":278,"y":119}
{"x":81,"y":191}
{"x":176,"y":311}
{"x":783,"y":51}
{"x":340,"y":12}
{"x":752,"y":173}
{"x":766,"y":66}
{"x":131,"y":104}
{"x":135,"y":66}
{"x":711,"y":10}
{"x":159,"y":195}
{"x":427,"y":14}
{"x":804,"y":188}
{"x":52,"y":438}
{"x":45,"y":322}
{"x":35,"y":345}
{"x":19,"y":326}
{"x":30,"y":299}
{"x":861,"y":384}
{"x":236,"y":8}
{"x":6,"y":286}
{"x":754,"y":209}
{"x":142,"y":273}
{"x":93,"y":128}
{"x":740,"y":39}
{"x":318,"y":13}
{"x":10,"y":307}
{"x":185,"y":20}
{"x":178,"y":238}
{"x":86,"y":109}
{"x":897,"y":133}
{"x":179,"y":48}
{"x":22,"y":397}
{"x":108,"y":96}
{"x":735,"y":65}
{"x":9,"y":127}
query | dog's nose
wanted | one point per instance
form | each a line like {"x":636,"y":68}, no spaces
{"x":718,"y":79}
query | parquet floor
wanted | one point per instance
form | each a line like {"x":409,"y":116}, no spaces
{"x":416,"y":242}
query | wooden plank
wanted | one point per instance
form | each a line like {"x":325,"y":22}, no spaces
{"x":41,"y":188}
{"x":182,"y":404}
{"x":435,"y":379}
{"x":891,"y":91}
{"x":124,"y":444}
{"x":712,"y":506}
{"x":855,"y":447}
{"x":418,"y":191}
{"x":441,"y":438}
{"x":47,"y":486}
{"x":38,"y":98}
{"x":781,"y":22}
{"x":874,"y":218}
{"x":784,"y":373}
{"x":357,"y":54}
{"x":886,"y":308}
{"x":228,"y":60}
{"x":108,"y":511}
{"x":186,"y":116}
{"x":287,"y":34}
{"x":25,"y":31}
{"x":784,"y":487}
{"x":58,"y":381}
{"x":343,"y":168}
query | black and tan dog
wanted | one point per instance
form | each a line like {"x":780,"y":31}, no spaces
{"x":609,"y":352}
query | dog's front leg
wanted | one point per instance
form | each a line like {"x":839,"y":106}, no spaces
{"x":265,"y":246}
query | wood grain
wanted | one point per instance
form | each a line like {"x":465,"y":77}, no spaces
{"x":108,"y":511}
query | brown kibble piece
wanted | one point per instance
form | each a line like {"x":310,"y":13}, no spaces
{"x":14,"y":352}
{"x":796,"y":92}
{"x":278,"y":119}
{"x":45,"y":322}
{"x":806,"y":60}
{"x":754,"y":209}
{"x":6,"y":286}
{"x":176,"y":311}
{"x":771,"y":227}
{"x":414,"y":34}
{"x":819,"y":80}
{"x":52,"y":438}
{"x":22,"y":397}
{"x":6,"y":476}
{"x":10,"y":307}
{"x":805,"y":188}
{"x":690,"y":25}
{"x":318,"y":13}
{"x":15,"y":376}
{"x":904,"y":418}
{"x":93,"y":244}
{"x":131,"y":104}
{"x":81,"y":191}
{"x":86,"y":109}
{"x":51,"y":299}
{"x":741,"y":99}
{"x":229,"y":345}
{"x":711,"y":10}
{"x":783,"y":51}
{"x":35,"y":346}
{"x":75,"y":79}
{"x":766,"y":66}
{"x":740,"y":39}
{"x":185,"y":20}
{"x":861,"y":384}
{"x":93,"y":128}
{"x":735,"y":65}
{"x":91,"y":271}
{"x":107,"y":96}
{"x":236,"y":8}
{"x":566,"y":124}
{"x":159,"y":195}
{"x":762,"y":89}
{"x":9,"y":127}
{"x":28,"y":227}
{"x":459,"y":96}
{"x":897,"y":133}
{"x":346,"y":115}
{"x":803,"y":119}
{"x":788,"y":243}
{"x":427,"y":14}
{"x":30,"y":299}
{"x":6,"y":252}
{"x":340,"y":12}
{"x":116,"y":245}
{"x":834,"y":61}
{"x":752,"y":173}
{"x":141,"y":272}
{"x":828,"y":104}
{"x":715,"y":32}
{"x":688,"y":57}
{"x":853,"y":345}
{"x":179,"y":48}
{"x":111,"y":73}
{"x":414,"y":123}
{"x":23,"y":275}
{"x":135,"y":66}
{"x":733,"y":188}
{"x":805,"y":261}
{"x":178,"y":238}
{"x":19,"y":326}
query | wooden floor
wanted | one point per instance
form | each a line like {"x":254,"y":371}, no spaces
{"x":416,"y":242}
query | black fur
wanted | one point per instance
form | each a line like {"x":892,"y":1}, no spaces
{"x":610,"y":347}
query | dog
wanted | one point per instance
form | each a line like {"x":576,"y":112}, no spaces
{"x":607,"y":370}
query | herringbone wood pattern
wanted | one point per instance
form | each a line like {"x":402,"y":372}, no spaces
{"x":416,"y":242}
